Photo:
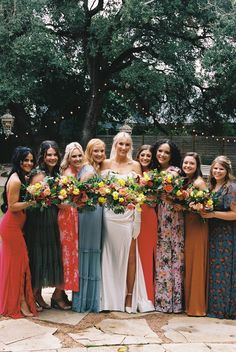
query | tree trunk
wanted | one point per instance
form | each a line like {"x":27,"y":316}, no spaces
{"x":90,"y":123}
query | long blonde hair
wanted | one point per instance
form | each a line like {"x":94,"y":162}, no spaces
{"x":116,"y":139}
{"x":88,"y":153}
{"x":68,"y":151}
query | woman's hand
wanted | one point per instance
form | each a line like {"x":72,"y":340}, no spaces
{"x":207,"y":214}
{"x":178,"y":207}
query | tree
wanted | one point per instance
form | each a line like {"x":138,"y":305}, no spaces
{"x":81,"y":58}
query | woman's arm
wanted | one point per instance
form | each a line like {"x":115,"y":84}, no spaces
{"x":13,"y":195}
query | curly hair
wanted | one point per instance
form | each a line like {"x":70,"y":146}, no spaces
{"x":175,"y":156}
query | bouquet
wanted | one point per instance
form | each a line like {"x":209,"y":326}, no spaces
{"x":172,"y":186}
{"x":67,"y":190}
{"x":44,"y":193}
{"x":88,"y":198}
{"x":119,"y":194}
{"x":200,"y":200}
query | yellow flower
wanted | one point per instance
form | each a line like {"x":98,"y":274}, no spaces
{"x":121,"y":182}
{"x":64,"y":180}
{"x":115,"y":195}
{"x":169,"y":178}
{"x":199,"y":194}
{"x":76,"y":191}
{"x":62,"y":194}
{"x":37,"y":186}
{"x":102,"y":200}
{"x":101,"y":184}
{"x":121,"y":200}
{"x":146,"y":177}
{"x":210,"y":202}
{"x":179,"y":193}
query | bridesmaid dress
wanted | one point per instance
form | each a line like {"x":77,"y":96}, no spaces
{"x":147,"y":242}
{"x":14,"y":266}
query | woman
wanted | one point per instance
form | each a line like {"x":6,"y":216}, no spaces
{"x":147,"y":239}
{"x":43,"y":237}
{"x":170,"y":239}
{"x":68,"y":221}
{"x":16,"y":296}
{"x":222,"y":242}
{"x":90,"y":230}
{"x":123,"y":286}
{"x":196,"y":243}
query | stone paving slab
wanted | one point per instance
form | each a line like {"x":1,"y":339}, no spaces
{"x":45,"y":342}
{"x":186,"y":347}
{"x":131,"y":327}
{"x":222,"y":347}
{"x":117,"y":332}
{"x":12,"y":331}
{"x":60,"y":317}
{"x":190,"y":329}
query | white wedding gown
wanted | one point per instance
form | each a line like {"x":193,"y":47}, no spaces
{"x":117,"y":236}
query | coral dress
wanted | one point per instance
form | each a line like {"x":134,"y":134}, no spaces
{"x":68,"y":226}
{"x":196,"y":264}
{"x":147,"y":242}
{"x":14,"y":266}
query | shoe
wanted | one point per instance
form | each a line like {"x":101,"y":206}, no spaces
{"x":38,"y":308}
{"x":40,"y":302}
{"x":66,"y":299}
{"x":59,"y":304}
{"x":128,"y":310}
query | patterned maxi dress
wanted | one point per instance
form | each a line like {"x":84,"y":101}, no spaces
{"x":169,"y":276}
{"x":222,"y":260}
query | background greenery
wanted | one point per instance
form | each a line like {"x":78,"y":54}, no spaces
{"x":159,"y":63}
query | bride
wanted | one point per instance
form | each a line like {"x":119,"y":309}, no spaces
{"x":123,"y":286}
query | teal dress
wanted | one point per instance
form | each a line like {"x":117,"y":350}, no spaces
{"x":90,"y":232}
{"x":222,"y":260}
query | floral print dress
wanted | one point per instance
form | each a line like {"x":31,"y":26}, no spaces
{"x":222,"y":260}
{"x":169,"y":279}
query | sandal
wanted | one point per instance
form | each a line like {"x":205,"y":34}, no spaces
{"x":59,"y":303}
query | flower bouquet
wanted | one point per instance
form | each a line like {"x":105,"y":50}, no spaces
{"x":200,"y":200}
{"x":172,"y":187}
{"x":67,"y":190}
{"x":119,"y":194}
{"x":44,"y":193}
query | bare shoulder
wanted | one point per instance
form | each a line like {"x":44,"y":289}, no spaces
{"x":14,"y":183}
{"x":136,"y":167}
{"x":106,"y":164}
{"x":200,"y":183}
{"x":14,"y":179}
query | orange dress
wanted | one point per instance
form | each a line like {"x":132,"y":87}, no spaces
{"x":68,"y":226}
{"x":14,"y":266}
{"x":196,"y":265}
{"x":147,"y":242}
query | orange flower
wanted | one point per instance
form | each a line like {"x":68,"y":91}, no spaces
{"x":168,"y":188}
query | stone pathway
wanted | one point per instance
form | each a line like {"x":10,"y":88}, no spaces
{"x":58,"y":331}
